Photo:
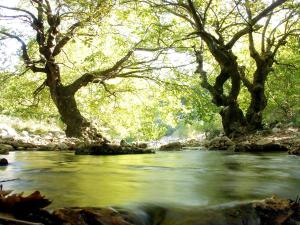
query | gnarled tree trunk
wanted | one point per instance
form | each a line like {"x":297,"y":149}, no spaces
{"x":76,"y":124}
{"x":254,"y":114}
{"x":258,"y":103}
{"x":233,"y":120}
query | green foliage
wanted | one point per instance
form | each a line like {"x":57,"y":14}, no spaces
{"x":173,"y":101}
{"x":283,"y":87}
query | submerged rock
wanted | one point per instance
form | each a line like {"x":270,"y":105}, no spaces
{"x":3,"y":162}
{"x":173,"y":146}
{"x":109,"y":149}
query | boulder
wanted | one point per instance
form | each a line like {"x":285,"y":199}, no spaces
{"x":141,"y":145}
{"x":193,"y":143}
{"x":276,"y":130}
{"x":173,"y":146}
{"x":123,"y":143}
{"x":7,"y":132}
{"x":295,"y":151}
{"x":109,"y":149}
{"x":220,"y":143}
{"x":49,"y":147}
{"x":270,"y":147}
{"x":62,"y":146}
{"x":5,"y":148}
{"x":3,"y":162}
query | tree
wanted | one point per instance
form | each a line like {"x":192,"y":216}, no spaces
{"x":220,"y":26}
{"x":274,"y":35}
{"x":55,"y":24}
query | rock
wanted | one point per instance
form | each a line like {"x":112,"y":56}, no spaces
{"x":18,"y":144}
{"x":141,"y":145}
{"x":62,"y":146}
{"x":271,"y":211}
{"x":124,"y":143}
{"x":5,"y":148}
{"x":50,"y":147}
{"x":173,"y":146}
{"x":3,"y":162}
{"x":25,"y":133}
{"x":270,"y":147}
{"x":294,"y":151}
{"x":264,"y":142}
{"x":276,"y":130}
{"x":89,"y":216}
{"x":220,"y":143}
{"x":193,"y":143}
{"x":7,"y":132}
{"x":109,"y":149}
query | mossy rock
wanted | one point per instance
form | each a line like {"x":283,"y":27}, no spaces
{"x":109,"y":149}
{"x":173,"y":146}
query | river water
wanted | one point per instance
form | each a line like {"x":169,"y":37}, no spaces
{"x":190,"y":178}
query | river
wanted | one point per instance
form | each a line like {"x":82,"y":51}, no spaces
{"x":190,"y":178}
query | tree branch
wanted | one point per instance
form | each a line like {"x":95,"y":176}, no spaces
{"x":253,"y":21}
{"x":19,"y":10}
{"x":65,"y":39}
{"x":28,"y":62}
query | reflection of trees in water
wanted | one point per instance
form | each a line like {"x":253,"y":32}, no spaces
{"x":192,"y":178}
{"x":230,"y":177}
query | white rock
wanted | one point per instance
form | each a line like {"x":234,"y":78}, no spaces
{"x":25,"y":133}
{"x":275,"y":130}
{"x":7,"y":131}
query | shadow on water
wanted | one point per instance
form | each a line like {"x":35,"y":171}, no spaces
{"x":182,"y":178}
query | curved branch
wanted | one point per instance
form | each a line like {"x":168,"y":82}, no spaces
{"x":253,"y":21}
{"x":28,"y":62}
{"x":65,"y":39}
{"x":98,"y":76}
{"x":19,"y":10}
{"x":195,"y":15}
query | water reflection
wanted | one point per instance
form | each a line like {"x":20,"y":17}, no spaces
{"x":186,"y":178}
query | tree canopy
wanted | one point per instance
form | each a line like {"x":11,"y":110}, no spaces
{"x":142,"y":69}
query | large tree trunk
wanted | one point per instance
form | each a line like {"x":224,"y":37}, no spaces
{"x":76,"y":124}
{"x":233,"y":120}
{"x":258,"y":103}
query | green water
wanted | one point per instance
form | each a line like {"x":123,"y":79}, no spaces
{"x":181,"y":178}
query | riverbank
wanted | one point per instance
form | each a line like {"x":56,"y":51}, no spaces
{"x":284,"y":138}
{"x":278,"y":139}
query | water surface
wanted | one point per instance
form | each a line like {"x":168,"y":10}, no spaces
{"x":183,"y":178}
